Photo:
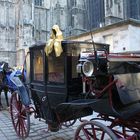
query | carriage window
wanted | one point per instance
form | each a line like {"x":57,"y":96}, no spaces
{"x":38,"y":65}
{"x":56,"y":68}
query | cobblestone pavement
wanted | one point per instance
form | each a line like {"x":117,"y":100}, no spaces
{"x":37,"y":128}
{"x":37,"y":131}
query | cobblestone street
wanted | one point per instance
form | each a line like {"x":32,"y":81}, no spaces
{"x":37,"y":131}
{"x":38,"y":128}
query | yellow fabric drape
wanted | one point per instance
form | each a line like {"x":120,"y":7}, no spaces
{"x":54,"y":42}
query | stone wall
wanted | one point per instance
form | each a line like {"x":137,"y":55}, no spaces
{"x":23,"y":23}
{"x":7,"y":32}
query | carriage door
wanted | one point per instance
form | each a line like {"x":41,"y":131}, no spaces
{"x":56,"y":86}
{"x":38,"y":78}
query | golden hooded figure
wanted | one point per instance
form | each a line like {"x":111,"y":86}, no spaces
{"x":54,"y":41}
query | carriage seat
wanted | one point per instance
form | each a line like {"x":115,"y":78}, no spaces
{"x":125,"y":99}
{"x":124,"y":112}
{"x":126,"y":96}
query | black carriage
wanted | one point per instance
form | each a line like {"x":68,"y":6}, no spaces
{"x":85,"y":78}
{"x":54,"y":88}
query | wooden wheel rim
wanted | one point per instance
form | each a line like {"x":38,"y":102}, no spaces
{"x":92,"y":130}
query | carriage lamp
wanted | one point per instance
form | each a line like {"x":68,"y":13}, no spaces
{"x":87,"y":68}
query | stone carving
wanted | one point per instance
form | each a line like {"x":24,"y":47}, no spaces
{"x":118,"y":2}
{"x":109,"y":5}
{"x":113,"y":8}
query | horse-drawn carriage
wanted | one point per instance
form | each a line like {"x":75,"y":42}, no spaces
{"x":81,"y":80}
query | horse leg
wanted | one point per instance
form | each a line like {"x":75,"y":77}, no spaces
{"x":6,"y":97}
{"x":0,"y":101}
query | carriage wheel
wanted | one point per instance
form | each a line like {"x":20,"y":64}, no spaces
{"x":20,"y":116}
{"x":93,"y":130}
{"x":69,"y":123}
{"x":124,"y":133}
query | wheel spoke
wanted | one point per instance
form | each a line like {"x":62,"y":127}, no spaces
{"x":79,"y":138}
{"x":86,"y":134}
{"x":90,"y":132}
{"x":24,"y":125}
{"x":19,"y":127}
{"x":102,"y":135}
{"x":23,"y":130}
{"x":14,"y":108}
{"x":23,"y":117}
{"x":94,"y":132}
{"x":15,"y":116}
{"x":16,"y":126}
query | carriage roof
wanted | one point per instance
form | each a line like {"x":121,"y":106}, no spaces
{"x":42,"y":44}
